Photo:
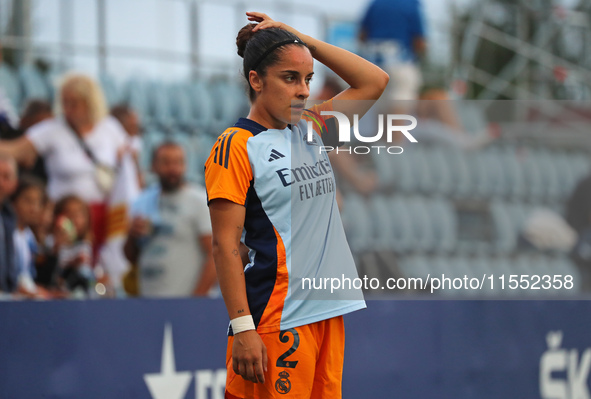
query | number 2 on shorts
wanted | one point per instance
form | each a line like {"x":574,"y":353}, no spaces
{"x":281,"y":362}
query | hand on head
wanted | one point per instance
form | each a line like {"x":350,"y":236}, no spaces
{"x":264,"y":21}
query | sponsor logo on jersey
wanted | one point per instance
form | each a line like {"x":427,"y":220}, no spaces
{"x":314,"y":180}
{"x":304,"y":172}
{"x":275,"y":155}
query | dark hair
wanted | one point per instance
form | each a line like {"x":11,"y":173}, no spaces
{"x":258,"y":49}
{"x":60,"y":206}
{"x":36,"y":106}
{"x":120,"y":111}
{"x":165,"y":144}
{"x":27,"y":182}
{"x":35,"y":111}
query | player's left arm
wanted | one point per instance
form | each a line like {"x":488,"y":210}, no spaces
{"x":366,"y":80}
{"x":208,"y":275}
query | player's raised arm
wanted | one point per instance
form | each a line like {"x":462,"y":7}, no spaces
{"x":366,"y":80}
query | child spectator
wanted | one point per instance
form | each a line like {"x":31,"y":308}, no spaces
{"x":72,"y":246}
{"x":45,"y":264}
{"x":28,"y":201}
{"x":8,"y":181}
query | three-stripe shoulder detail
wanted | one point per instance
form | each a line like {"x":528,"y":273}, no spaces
{"x":222,"y":148}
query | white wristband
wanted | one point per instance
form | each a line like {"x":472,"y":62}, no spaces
{"x":242,"y":323}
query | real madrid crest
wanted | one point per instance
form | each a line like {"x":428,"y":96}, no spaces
{"x":283,"y":384}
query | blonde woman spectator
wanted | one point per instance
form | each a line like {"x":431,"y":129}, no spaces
{"x":80,"y":147}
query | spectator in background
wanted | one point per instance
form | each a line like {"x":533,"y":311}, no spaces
{"x":42,"y":230}
{"x":394,"y":38}
{"x":578,"y":206}
{"x":332,"y":86}
{"x":170,"y":234}
{"x":8,"y":115}
{"x":80,"y":146}
{"x":8,"y":182}
{"x":72,"y":245}
{"x":28,"y":201}
{"x":35,"y":111}
{"x":578,"y":216}
{"x":130,"y":121}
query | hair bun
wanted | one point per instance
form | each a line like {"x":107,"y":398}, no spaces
{"x":244,"y":35}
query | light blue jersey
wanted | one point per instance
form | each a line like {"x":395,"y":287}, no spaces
{"x":292,"y":226}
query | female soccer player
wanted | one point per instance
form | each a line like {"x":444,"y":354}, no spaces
{"x":273,"y":189}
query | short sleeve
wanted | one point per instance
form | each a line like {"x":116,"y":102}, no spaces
{"x":228,"y":173}
{"x":201,"y":220}
{"x":42,"y":136}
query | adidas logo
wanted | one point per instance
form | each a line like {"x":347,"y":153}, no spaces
{"x":275,"y":155}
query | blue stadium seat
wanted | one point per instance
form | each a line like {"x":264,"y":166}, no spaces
{"x":194,"y":170}
{"x":229,"y":103}
{"x":494,"y":184}
{"x":462,"y":183}
{"x":449,"y":239}
{"x":182,"y":108}
{"x":513,"y":174}
{"x":202,"y":144}
{"x":440,"y":172}
{"x":383,"y":230}
{"x":401,"y":171}
{"x":357,"y":222}
{"x":454,"y":268}
{"x":499,"y":182}
{"x":111,"y":90}
{"x":385,"y":166}
{"x":401,"y":224}
{"x":435,"y":212}
{"x":415,"y":266}
{"x":33,"y":83}
{"x":481,"y":182}
{"x":160,"y":105}
{"x":502,"y":266}
{"x":532,"y":176}
{"x":420,"y":226}
{"x":9,"y":83}
{"x":551,"y":177}
{"x":151,"y":138}
{"x":137,"y":96}
{"x":422,"y":171}
{"x":472,"y":117}
{"x":203,"y":110}
{"x":527,"y":265}
{"x":565,"y":267}
{"x":482,"y":268}
{"x":504,"y":230}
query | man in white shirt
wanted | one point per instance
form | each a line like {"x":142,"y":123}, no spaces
{"x":170,"y":234}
